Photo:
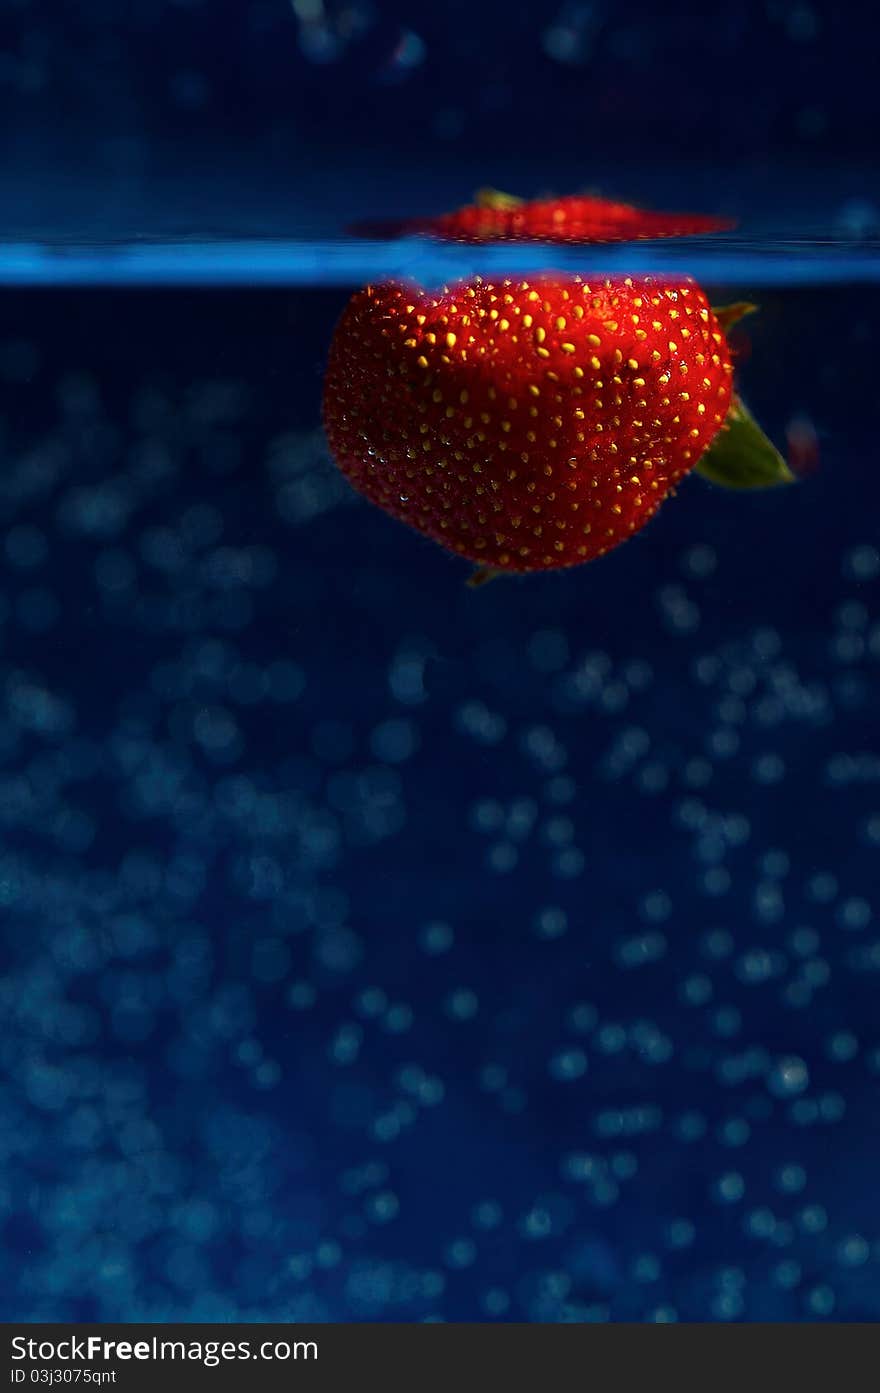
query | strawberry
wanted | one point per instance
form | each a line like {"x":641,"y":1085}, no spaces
{"x":533,"y":425}
{"x":526,"y":425}
{"x":498,"y":217}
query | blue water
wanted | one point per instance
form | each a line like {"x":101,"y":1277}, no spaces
{"x":375,"y":948}
{"x":372,"y":947}
{"x":756,"y":261}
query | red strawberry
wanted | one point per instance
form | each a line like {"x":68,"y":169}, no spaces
{"x":497,"y":217}
{"x":526,"y":425}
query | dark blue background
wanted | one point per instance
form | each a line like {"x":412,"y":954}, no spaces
{"x":374,"y":948}
{"x":570,"y":80}
{"x":245,"y":1077}
{"x":185,"y":114}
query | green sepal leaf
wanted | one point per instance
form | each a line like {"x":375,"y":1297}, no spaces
{"x":497,"y":201}
{"x":728,"y":315}
{"x":741,"y":456}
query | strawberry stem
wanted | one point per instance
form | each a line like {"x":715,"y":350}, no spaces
{"x":482,"y":575}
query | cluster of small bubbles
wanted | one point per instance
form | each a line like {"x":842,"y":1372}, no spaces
{"x":382,"y":920}
{"x":696,"y":989}
{"x":406,"y":674}
{"x":864,"y":958}
{"x":462,"y":1004}
{"x":476,"y":720}
{"x":427,"y":1089}
{"x":502,"y":857}
{"x":627,"y":750}
{"x":382,"y":1207}
{"x":567,"y":1065}
{"x":842,"y":1046}
{"x":436,"y":938}
{"x":304,"y":486}
{"x":544,"y":749}
{"x":729,"y":1188}
{"x":854,"y":913}
{"x":551,"y":1214}
{"x":728,"y":1302}
{"x":582,"y":1018}
{"x":571,"y":37}
{"x":631,"y":1121}
{"x":641,"y":950}
{"x":759,"y":965}
{"x":551,"y":922}
{"x":101,"y":512}
{"x":398,"y":1018}
{"x":679,"y":613}
{"x":370,"y":802}
{"x":810,"y":1112}
{"x":652,"y":778}
{"x":650,"y":1043}
{"x":853,"y":1250}
{"x":699,"y":561}
{"x":358,"y":1179}
{"x":656,"y":907}
{"x":229,"y":568}
{"x":513,"y":824}
{"x":862,"y":562}
{"x":820,"y":1300}
{"x":813,"y":1218}
{"x":492,"y":1078}
{"x":871,"y":829}
{"x":593,"y":682}
{"x":646,"y":1267}
{"x":734,"y":1132}
{"x":768,"y":768}
{"x":557,"y":830}
{"x":461,"y":1252}
{"x":610,"y":1038}
{"x":787,"y":1274}
{"x":680,"y":1234}
{"x":788,"y":1076}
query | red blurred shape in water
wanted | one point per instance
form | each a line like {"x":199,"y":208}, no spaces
{"x":496,"y":217}
{"x":802,"y":441}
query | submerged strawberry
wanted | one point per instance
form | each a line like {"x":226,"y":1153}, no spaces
{"x":498,"y":217}
{"x":532,"y":425}
{"x":526,"y":425}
